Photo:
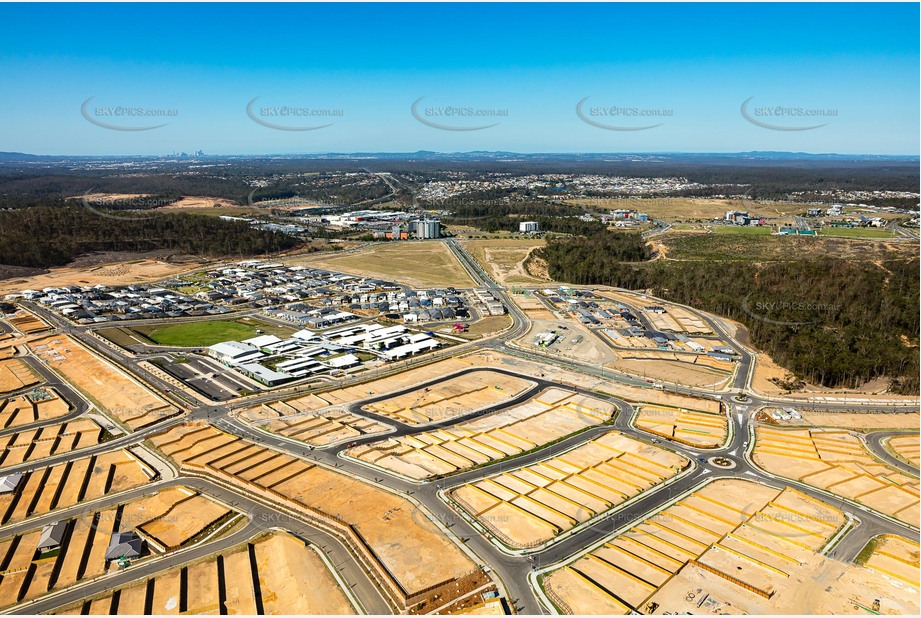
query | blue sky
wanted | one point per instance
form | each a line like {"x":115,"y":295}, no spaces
{"x":853,"y":67}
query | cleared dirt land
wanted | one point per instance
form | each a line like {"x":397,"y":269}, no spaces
{"x":115,"y":273}
{"x":886,"y":584}
{"x":905,"y":447}
{"x":15,"y":374}
{"x":691,"y":427}
{"x":26,"y":322}
{"x":40,"y":405}
{"x":550,"y":415}
{"x":747,"y":536}
{"x":575,"y":341}
{"x":857,"y":420}
{"x":503,"y":258}
{"x":453,"y":397}
{"x":837,"y":461}
{"x":413,"y":556}
{"x":693,"y":374}
{"x":295,"y":419}
{"x":684,"y":209}
{"x":566,"y":378}
{"x":35,"y":444}
{"x":532,"y":505}
{"x":418,"y":264}
{"x":82,"y":555}
{"x":113,"y":390}
{"x":46,"y":489}
{"x":275,"y":574}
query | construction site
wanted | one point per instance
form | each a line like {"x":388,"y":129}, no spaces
{"x":839,"y":462}
{"x":323,"y":426}
{"x":738,"y":533}
{"x":906,"y":448}
{"x":41,"y":404}
{"x":408,"y":557}
{"x":267,"y":575}
{"x":43,"y":490}
{"x":30,"y":445}
{"x":110,"y":388}
{"x":68,"y":551}
{"x":529,"y":506}
{"x":692,"y":427}
{"x":451,"y":397}
{"x":15,"y":375}
{"x":551,"y":414}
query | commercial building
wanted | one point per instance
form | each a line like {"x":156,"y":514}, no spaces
{"x":528,"y":227}
{"x":426,"y":228}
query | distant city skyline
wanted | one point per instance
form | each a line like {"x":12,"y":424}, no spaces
{"x":150,"y":79}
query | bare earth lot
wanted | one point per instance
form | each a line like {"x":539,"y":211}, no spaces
{"x":292,"y":577}
{"x":837,"y":461}
{"x":736,"y":536}
{"x":692,"y":427}
{"x":531,"y":505}
{"x":398,"y":536}
{"x":550,"y":415}
{"x":112,"y":389}
{"x":418,"y":264}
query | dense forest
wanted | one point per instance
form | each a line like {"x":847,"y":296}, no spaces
{"x":49,"y":236}
{"x":838,"y":323}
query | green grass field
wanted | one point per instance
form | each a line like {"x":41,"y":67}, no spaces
{"x":761,"y":230}
{"x":202,"y":334}
{"x":855,"y":232}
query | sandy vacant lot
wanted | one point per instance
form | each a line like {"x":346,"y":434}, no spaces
{"x":23,"y":410}
{"x":26,"y":322}
{"x":46,"y":489}
{"x":819,"y":586}
{"x":112,"y":389}
{"x":550,"y":415}
{"x":15,"y":374}
{"x":858,"y":420}
{"x":115,"y":273}
{"x":36,"y":444}
{"x":675,"y":372}
{"x":531,"y":505}
{"x":330,"y":426}
{"x":503,"y":258}
{"x":743,"y":531}
{"x":84,"y":555}
{"x":700,"y":429}
{"x":411,"y":551}
{"x":837,"y":461}
{"x":418,"y":264}
{"x":453,"y":397}
{"x":292,"y":577}
{"x":905,"y":447}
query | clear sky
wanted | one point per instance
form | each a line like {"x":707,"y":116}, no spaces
{"x":853,"y":67}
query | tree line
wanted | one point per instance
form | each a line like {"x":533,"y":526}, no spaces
{"x":833,"y":322}
{"x":51,"y":236}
